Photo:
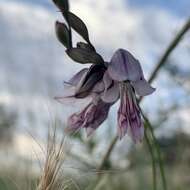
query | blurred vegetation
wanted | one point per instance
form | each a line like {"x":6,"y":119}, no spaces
{"x":136,"y":176}
{"x":7,"y":123}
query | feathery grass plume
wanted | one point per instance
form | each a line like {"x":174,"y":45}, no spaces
{"x":52,"y":174}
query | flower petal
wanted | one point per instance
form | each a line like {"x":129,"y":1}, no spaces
{"x":89,"y":131}
{"x":124,"y":66}
{"x":68,"y":98}
{"x":68,"y":91}
{"x":95,"y":116}
{"x":111,"y":94}
{"x":90,"y":117}
{"x":77,"y":77}
{"x":129,"y":116}
{"x":107,"y":80}
{"x":99,"y":87}
{"x":89,"y":80}
{"x":74,"y":123}
{"x":123,"y":125}
{"x":136,"y":133}
{"x":142,"y":87}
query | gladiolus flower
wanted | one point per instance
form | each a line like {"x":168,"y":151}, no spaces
{"x":124,"y":78}
{"x":90,"y":118}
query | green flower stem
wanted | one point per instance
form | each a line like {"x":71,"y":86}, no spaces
{"x":152,"y":159}
{"x":157,"y":148}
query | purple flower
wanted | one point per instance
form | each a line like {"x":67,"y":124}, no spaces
{"x":129,"y":118}
{"x":90,"y":118}
{"x":123,"y":78}
{"x":84,"y":84}
{"x":87,"y":83}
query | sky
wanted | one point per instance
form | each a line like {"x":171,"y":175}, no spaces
{"x":180,"y":8}
{"x":34,"y":65}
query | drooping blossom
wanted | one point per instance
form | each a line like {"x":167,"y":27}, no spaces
{"x":87,"y":81}
{"x":129,"y":117}
{"x":84,"y":84}
{"x":90,"y":118}
{"x":124,"y":78}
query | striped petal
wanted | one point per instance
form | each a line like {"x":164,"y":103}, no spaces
{"x":123,"y":66}
{"x":77,"y":77}
{"x":142,"y":87}
{"x":111,"y":95}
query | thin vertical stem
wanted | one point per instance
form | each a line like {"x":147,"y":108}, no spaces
{"x":109,"y":150}
{"x":152,"y":159}
{"x":161,"y":165}
{"x":168,"y":51}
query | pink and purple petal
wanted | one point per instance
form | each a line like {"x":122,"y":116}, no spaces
{"x":90,"y":118}
{"x":123,"y":125}
{"x":89,"y":131}
{"x":98,"y":87}
{"x":123,"y":66}
{"x":142,"y":87}
{"x":89,"y":80}
{"x":136,"y":133}
{"x":107,"y":80}
{"x":77,"y":77}
{"x":96,"y":115}
{"x":129,"y":116}
{"x":111,"y":95}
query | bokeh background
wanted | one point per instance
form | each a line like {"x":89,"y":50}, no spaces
{"x":33,"y":66}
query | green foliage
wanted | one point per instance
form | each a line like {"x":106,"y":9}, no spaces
{"x":63,"y":5}
{"x":62,"y":33}
{"x":79,"y":26}
{"x":84,"y":56}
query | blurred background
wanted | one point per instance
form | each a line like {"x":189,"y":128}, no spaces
{"x":33,"y":66}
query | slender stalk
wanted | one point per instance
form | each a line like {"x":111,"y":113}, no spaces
{"x":161,"y":165}
{"x":161,"y":62}
{"x":153,"y":161}
{"x":109,"y":150}
{"x":169,"y":50}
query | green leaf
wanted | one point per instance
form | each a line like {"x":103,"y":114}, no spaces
{"x":79,"y":26}
{"x":84,"y":56}
{"x":62,"y":34}
{"x":85,"y":46}
{"x":63,"y":5}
